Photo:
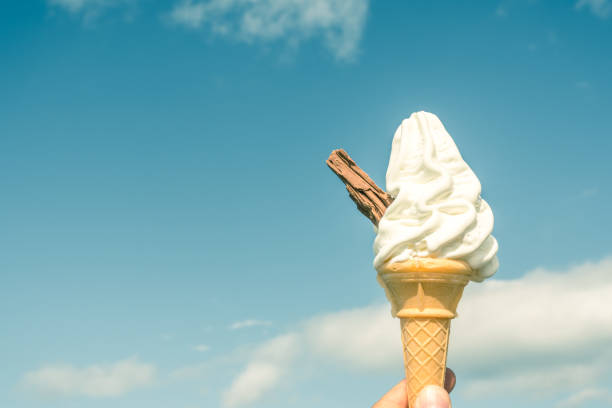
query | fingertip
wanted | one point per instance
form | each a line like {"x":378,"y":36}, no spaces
{"x":433,"y":396}
{"x":449,"y":380}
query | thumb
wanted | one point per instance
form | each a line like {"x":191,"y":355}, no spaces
{"x":433,"y":396}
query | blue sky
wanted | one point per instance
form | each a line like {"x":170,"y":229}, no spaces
{"x":171,"y":236}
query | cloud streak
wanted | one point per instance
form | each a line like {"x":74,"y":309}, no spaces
{"x":600,"y":8}
{"x":90,"y":10}
{"x":243,"y":324}
{"x":338,"y":23}
{"x":589,"y":395}
{"x":98,"y":380}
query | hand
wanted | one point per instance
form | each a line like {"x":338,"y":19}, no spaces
{"x":432,"y":396}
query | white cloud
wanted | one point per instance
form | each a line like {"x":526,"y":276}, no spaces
{"x":201,"y":347}
{"x":544,"y":333}
{"x":546,"y":314}
{"x":339,"y":23}
{"x":601,"y":8}
{"x":268,"y":365}
{"x":248,"y":323}
{"x":366,"y":338}
{"x":554,"y":326}
{"x":256,"y":379}
{"x":98,"y":380}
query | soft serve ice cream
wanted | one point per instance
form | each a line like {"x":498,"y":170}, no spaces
{"x":437,"y":211}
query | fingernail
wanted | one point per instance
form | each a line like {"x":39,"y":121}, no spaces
{"x":433,"y":396}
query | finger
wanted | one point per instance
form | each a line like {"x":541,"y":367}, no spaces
{"x":433,"y":396}
{"x":449,"y":380}
{"x":395,"y":398}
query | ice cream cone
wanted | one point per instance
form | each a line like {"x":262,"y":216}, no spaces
{"x":424,"y":294}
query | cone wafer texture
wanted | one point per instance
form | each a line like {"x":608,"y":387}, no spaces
{"x":425,"y":343}
{"x":424,"y":294}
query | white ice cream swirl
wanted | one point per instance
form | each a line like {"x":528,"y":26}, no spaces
{"x":437,"y":210}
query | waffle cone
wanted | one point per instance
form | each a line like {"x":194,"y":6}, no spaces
{"x":424,"y":294}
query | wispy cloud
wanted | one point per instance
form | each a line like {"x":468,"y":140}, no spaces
{"x":267,"y":366}
{"x":591,"y":395}
{"x":74,"y":5}
{"x":90,"y":10}
{"x":338,"y":23}
{"x":98,"y":380}
{"x":192,"y":371}
{"x":501,"y":11}
{"x":188,"y":14}
{"x":549,"y":330}
{"x":536,"y":380}
{"x":589,"y":192}
{"x":201,"y":347}
{"x":248,"y":323}
{"x":600,"y":8}
{"x":583,"y":84}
